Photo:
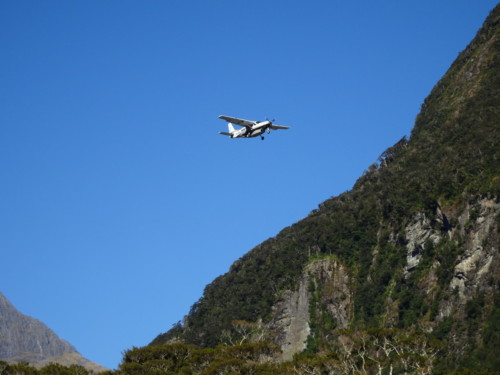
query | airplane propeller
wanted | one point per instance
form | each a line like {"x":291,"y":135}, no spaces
{"x":268,"y":130}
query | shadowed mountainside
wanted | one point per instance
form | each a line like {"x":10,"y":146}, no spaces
{"x":24,"y":339}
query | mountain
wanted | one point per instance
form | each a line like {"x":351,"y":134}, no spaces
{"x":24,"y":339}
{"x":399,"y":274}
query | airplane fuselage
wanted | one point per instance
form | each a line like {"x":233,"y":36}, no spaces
{"x":255,"y":131}
{"x":249,"y":129}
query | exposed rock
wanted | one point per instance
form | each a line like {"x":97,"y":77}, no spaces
{"x":25,"y":339}
{"x":291,"y":319}
{"x":290,"y":323}
{"x":418,"y":232}
{"x":333,"y":281}
{"x":475,"y":262}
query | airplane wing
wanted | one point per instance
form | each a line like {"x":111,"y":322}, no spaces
{"x":274,"y":127}
{"x":224,"y":133}
{"x":238,"y":121}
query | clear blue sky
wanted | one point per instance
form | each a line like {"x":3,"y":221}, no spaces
{"x":119,"y":200}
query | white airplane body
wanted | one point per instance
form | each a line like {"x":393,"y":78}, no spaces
{"x":249,"y":128}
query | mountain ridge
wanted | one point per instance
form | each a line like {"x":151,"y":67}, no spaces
{"x":26,"y":339}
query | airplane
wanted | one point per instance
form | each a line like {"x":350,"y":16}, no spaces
{"x":249,"y":128}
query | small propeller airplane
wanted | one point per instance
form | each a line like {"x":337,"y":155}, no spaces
{"x":249,"y":128}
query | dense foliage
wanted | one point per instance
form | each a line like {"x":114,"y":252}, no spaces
{"x":51,"y":369}
{"x":355,"y":352}
{"x":451,"y":158}
{"x":450,"y":162}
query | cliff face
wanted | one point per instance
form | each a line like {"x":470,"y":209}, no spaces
{"x":412,"y":247}
{"x":24,"y":339}
{"x":325,"y":292}
{"x":325,"y":295}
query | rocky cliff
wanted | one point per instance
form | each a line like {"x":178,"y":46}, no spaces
{"x":25,"y":339}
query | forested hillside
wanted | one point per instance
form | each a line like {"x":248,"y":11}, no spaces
{"x":416,"y":239}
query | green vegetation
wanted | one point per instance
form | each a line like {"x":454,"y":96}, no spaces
{"x":51,"y":369}
{"x":358,"y":352}
{"x":438,"y":176}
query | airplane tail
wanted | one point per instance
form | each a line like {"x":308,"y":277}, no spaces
{"x":230,"y":130}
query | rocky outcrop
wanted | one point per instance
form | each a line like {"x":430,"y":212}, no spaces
{"x":22,"y":337}
{"x":324,"y":299}
{"x":325,"y":285}
{"x":289,"y":326}
{"x":418,"y":232}
{"x":25,"y":339}
{"x":476,"y":264}
{"x":474,"y":235}
{"x":331,"y":281}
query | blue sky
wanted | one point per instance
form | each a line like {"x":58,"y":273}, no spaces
{"x":119,"y":200}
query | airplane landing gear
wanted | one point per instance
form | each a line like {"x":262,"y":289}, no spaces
{"x":261,"y":137}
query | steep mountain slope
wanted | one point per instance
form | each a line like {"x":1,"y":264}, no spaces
{"x":24,"y":339}
{"x":413,"y":247}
